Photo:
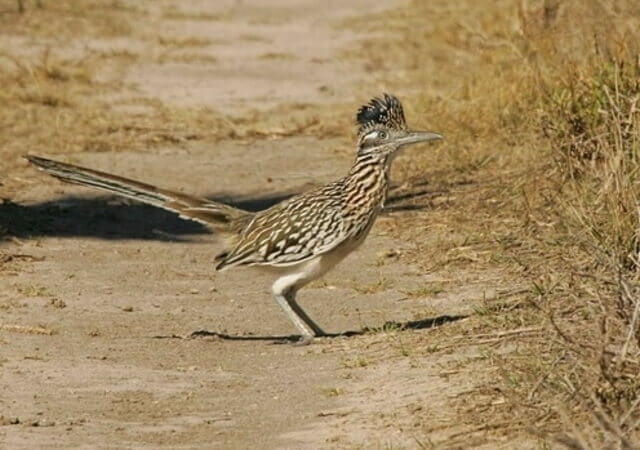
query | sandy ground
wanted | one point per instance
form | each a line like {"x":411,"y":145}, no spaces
{"x":91,"y":347}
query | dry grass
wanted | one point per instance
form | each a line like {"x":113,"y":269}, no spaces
{"x":541,"y":168}
{"x":592,"y":302}
{"x":64,"y":91}
{"x":64,"y":99}
{"x":535,"y":191}
{"x":62,"y":19}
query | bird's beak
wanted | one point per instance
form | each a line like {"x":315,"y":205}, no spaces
{"x":414,"y":137}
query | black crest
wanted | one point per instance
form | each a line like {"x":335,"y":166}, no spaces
{"x":385,"y":111}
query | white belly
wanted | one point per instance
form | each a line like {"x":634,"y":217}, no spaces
{"x":297,"y":276}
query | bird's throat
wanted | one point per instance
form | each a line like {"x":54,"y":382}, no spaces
{"x":367,"y":183}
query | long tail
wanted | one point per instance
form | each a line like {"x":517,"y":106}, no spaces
{"x":213,"y":214}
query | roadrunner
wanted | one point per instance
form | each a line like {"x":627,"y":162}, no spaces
{"x":301,"y":238}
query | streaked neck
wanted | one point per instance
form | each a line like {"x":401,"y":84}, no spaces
{"x":368,"y":179}
{"x":369,"y":160}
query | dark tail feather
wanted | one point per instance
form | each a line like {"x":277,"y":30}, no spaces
{"x":213,"y":214}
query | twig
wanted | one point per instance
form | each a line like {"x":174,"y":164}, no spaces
{"x":570,"y":442}
{"x":607,"y":424}
{"x":486,"y":426}
{"x":505,"y":333}
{"x":632,"y":326}
{"x":8,"y":257}
{"x":578,"y":440}
{"x":492,"y":337}
{"x":544,"y":376}
{"x":26,"y":329}
{"x":626,"y":415}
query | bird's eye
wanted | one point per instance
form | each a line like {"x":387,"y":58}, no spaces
{"x":383,"y":135}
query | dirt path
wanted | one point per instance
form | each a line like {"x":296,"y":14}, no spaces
{"x":88,"y":341}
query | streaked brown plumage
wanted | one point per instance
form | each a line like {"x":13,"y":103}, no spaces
{"x":298,"y":239}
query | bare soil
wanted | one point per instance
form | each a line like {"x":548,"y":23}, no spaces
{"x":98,"y":296}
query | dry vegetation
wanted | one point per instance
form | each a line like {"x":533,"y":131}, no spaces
{"x":538,"y":190}
{"x":49,"y":80}
{"x":64,"y":98}
{"x":543,"y":130}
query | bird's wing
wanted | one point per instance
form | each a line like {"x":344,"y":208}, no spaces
{"x":290,"y":233}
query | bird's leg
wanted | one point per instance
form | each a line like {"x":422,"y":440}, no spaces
{"x":305,"y":330}
{"x":290,"y":296}
{"x":286,"y":297}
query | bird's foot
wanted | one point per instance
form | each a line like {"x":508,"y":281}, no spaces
{"x":304,"y":340}
{"x":203,"y":333}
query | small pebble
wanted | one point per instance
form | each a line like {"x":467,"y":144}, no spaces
{"x":9,"y":420}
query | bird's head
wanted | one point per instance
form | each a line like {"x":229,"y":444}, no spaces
{"x":383,"y":129}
